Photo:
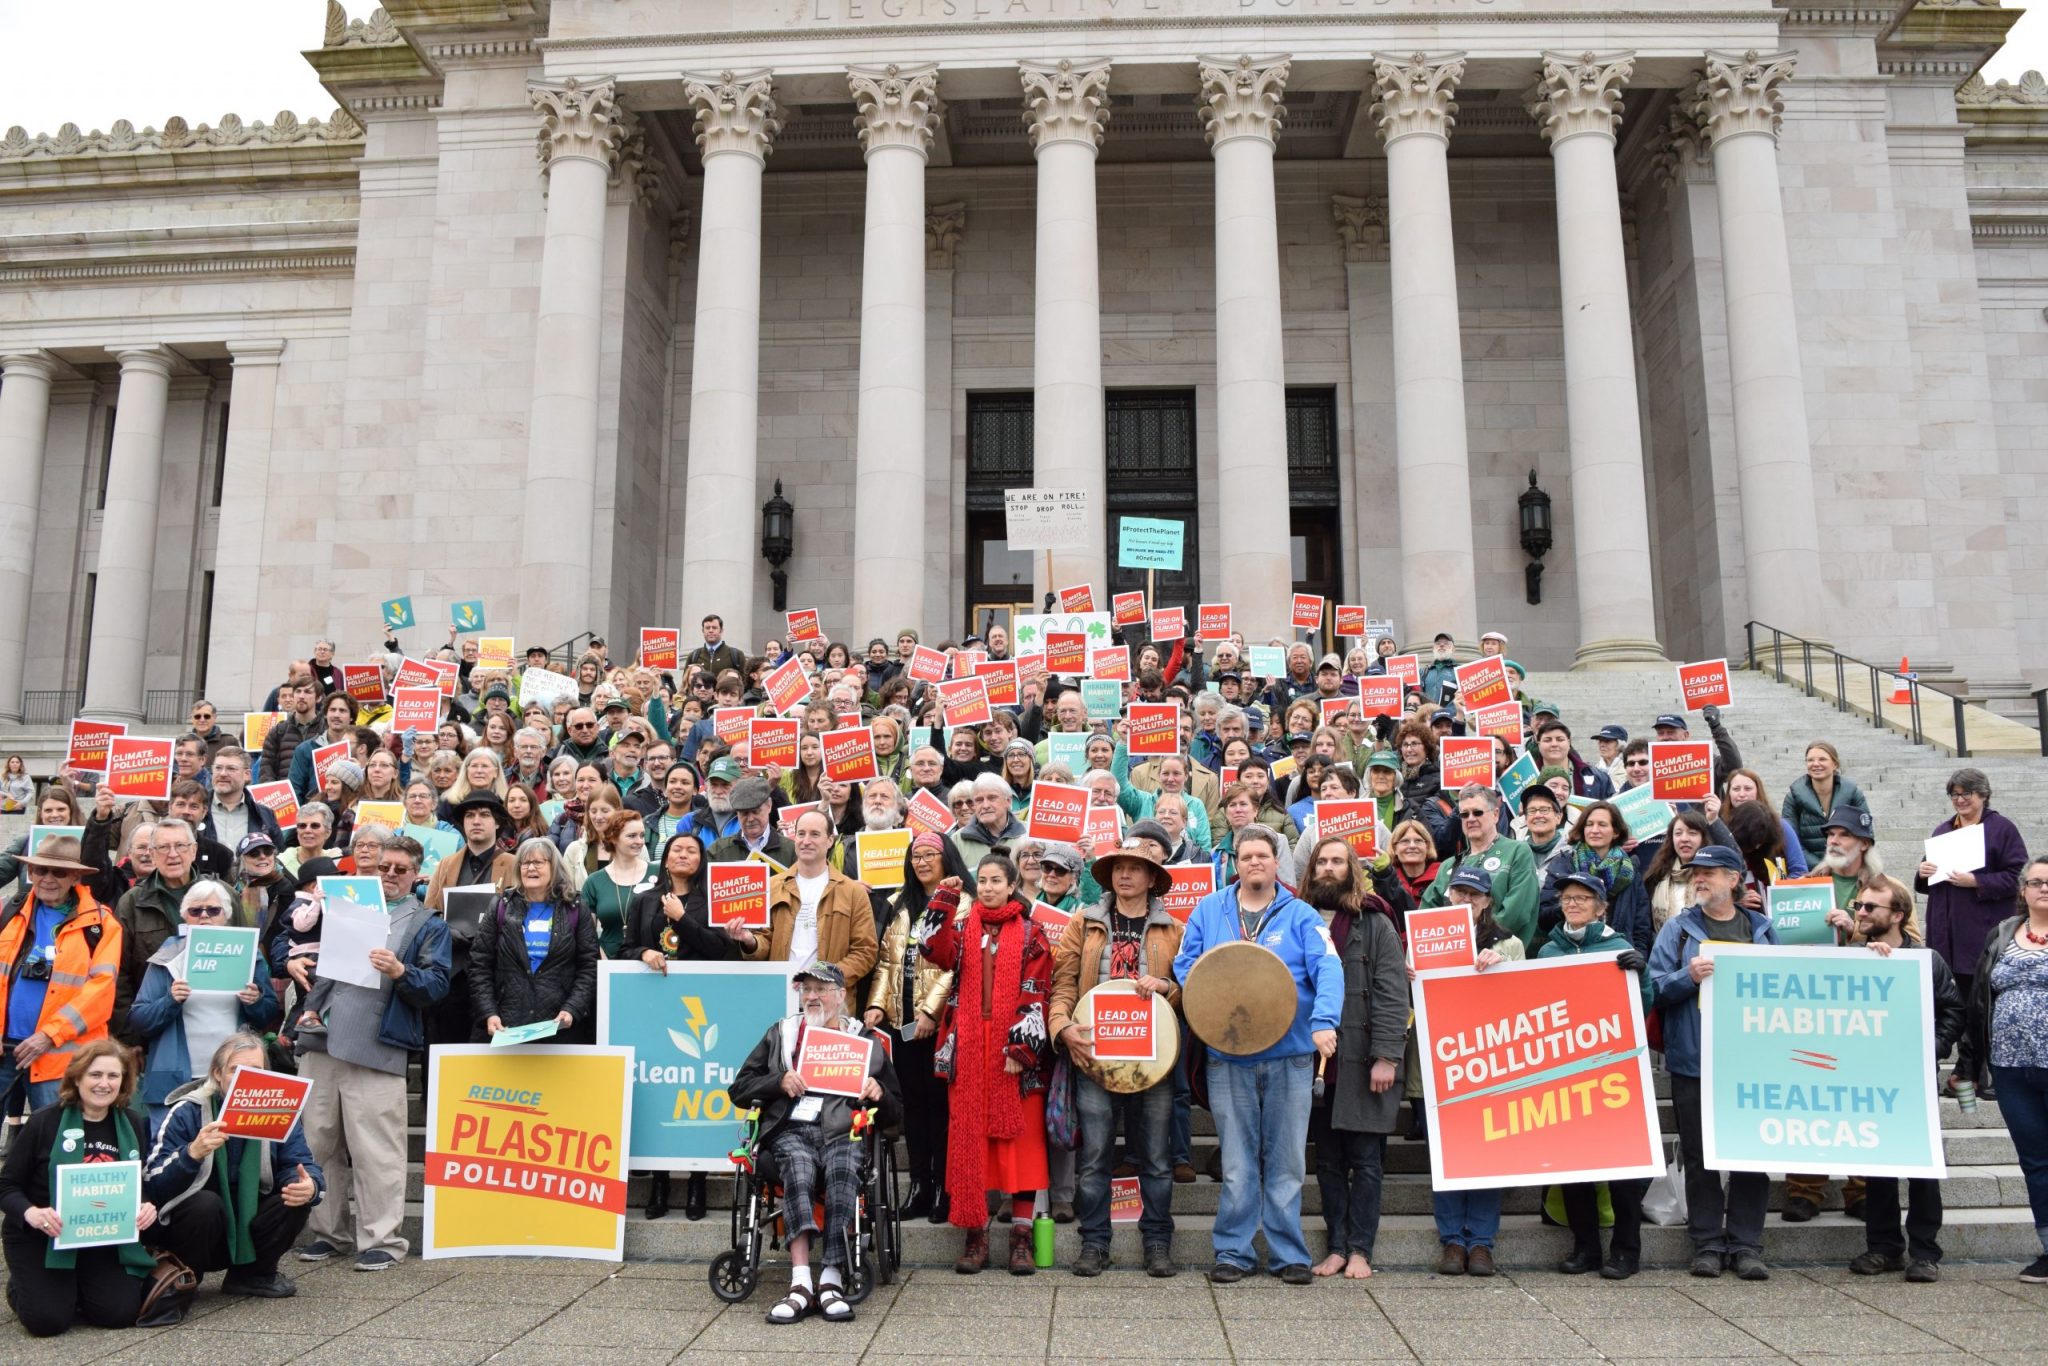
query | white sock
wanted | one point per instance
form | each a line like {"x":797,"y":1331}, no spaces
{"x":800,"y":1277}
{"x":830,"y":1277}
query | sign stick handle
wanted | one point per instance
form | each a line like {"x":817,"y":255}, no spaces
{"x":1049,"y":586}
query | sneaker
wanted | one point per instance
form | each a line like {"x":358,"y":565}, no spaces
{"x":274,"y":1286}
{"x":1877,"y":1263}
{"x":1750,"y":1267}
{"x":1092,"y":1261}
{"x":376,"y":1259}
{"x":319,"y":1250}
{"x":1296,"y":1273}
{"x":1708,"y":1265}
{"x":1799,"y":1209}
{"x":2036,"y":1272}
{"x":1159,"y":1261}
{"x":1224,"y":1273}
{"x":1923,"y":1273}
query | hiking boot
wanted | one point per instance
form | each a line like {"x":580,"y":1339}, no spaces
{"x":974,"y":1256}
{"x":1092,"y":1261}
{"x":1159,"y":1262}
{"x":1923,"y":1273}
{"x":1799,"y":1209}
{"x":1581,"y":1261}
{"x":1020,"y":1251}
{"x":1876,"y":1263}
{"x":1452,"y":1263}
{"x":1708,"y":1265}
{"x":1750,"y":1267}
{"x":1479,"y":1261}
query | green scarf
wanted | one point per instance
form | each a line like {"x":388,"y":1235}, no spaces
{"x":136,"y":1259}
{"x":240,"y":1193}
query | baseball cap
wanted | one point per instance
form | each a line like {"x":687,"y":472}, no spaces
{"x":1477,"y":880}
{"x":1443,"y":714}
{"x":255,"y":839}
{"x":725,"y":769}
{"x":1718,"y":856}
{"x":1329,"y":662}
{"x":1540,"y":791}
{"x":1852,"y":819}
{"x":1493,"y":635}
{"x":830,"y":973}
{"x":1670,"y":720}
{"x":1384,"y":758}
{"x":1445,"y":635}
{"x":1592,"y":883}
{"x":1611,"y":732}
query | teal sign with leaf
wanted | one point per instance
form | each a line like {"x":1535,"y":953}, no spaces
{"x":467,"y":615}
{"x":398,"y":614}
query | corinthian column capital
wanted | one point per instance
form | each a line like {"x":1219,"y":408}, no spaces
{"x":1065,"y":103}
{"x":1241,"y":99}
{"x":1581,"y":94}
{"x":1415,"y":95}
{"x":1739,"y":92}
{"x":735,"y":112}
{"x":944,"y":226}
{"x":576,"y":121}
{"x":1361,"y":226}
{"x":896,"y":106}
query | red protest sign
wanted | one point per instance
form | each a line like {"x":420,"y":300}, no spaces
{"x":964,"y":701}
{"x":787,"y":685}
{"x":1351,"y":620}
{"x":965,"y":662}
{"x":803,"y":626}
{"x":1212,"y":621}
{"x":1407,"y":668}
{"x":660,"y":646}
{"x":1001,"y":677}
{"x":263,"y":1105}
{"x":1128,"y":609}
{"x":138,"y":766}
{"x":88,"y":749}
{"x":1169,"y":624}
{"x":926,"y":664}
{"x":415,"y":673}
{"x":1706,"y":684}
{"x":785,"y":819}
{"x":362,"y":682}
{"x":1379,"y":695}
{"x":1227,"y":774}
{"x":1503,"y":718}
{"x":415,"y":709}
{"x":1103,"y":827}
{"x":772,"y":740}
{"x":282,"y":801}
{"x":447,"y":673}
{"x":1154,"y":728}
{"x":1126,"y":1200}
{"x":1051,"y":918}
{"x":833,"y":1061}
{"x":1030,"y":669}
{"x":1355,"y":820}
{"x":1681,"y":770}
{"x":1441,"y":938}
{"x":928,"y":814}
{"x":1126,"y":1025}
{"x":1066,"y":652}
{"x":1463,"y":760}
{"x":1191,"y":882}
{"x":850,"y":755}
{"x":1332,"y":710}
{"x":1483,"y":683}
{"x":729,"y":724}
{"x":1110,"y":664}
{"x":1079,"y":597}
{"x":324,"y":758}
{"x":739,"y":891}
{"x":1308,"y":612}
{"x":1058,"y":811}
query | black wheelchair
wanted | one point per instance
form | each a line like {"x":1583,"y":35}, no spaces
{"x":874,"y":1244}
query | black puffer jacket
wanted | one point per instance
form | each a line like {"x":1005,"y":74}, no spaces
{"x":501,"y":983}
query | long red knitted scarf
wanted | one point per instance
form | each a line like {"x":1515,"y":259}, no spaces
{"x":986,"y":1102}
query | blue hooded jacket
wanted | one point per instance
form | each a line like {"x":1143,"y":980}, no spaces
{"x":1293,"y":929}
{"x":1678,"y":996}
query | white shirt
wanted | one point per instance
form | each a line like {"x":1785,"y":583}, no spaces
{"x":803,"y":936}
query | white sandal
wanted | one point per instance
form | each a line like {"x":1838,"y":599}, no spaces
{"x":833,"y":1306}
{"x":794,"y":1307}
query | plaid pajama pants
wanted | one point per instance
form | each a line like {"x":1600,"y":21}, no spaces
{"x":800,"y":1151}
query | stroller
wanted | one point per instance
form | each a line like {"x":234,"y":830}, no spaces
{"x":875,"y":1242}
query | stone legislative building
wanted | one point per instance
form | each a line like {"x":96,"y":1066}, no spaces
{"x":1717,"y":310}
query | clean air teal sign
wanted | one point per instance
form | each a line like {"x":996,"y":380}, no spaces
{"x":690,"y":1030}
{"x":1819,"y":1060}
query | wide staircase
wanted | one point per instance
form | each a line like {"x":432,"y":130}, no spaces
{"x":1986,"y":1205}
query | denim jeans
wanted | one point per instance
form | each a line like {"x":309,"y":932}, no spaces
{"x":1350,"y":1171}
{"x":1145,"y":1118}
{"x":40,"y":1093}
{"x":1261,"y":1111}
{"x":1468,"y":1219}
{"x":2023,"y":1100}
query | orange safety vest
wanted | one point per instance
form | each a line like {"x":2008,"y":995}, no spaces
{"x":80,"y":998}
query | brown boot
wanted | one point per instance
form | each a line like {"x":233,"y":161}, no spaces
{"x":1020,"y":1250}
{"x":974,"y":1256}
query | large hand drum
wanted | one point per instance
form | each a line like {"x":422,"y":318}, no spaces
{"x":1123,"y":1076}
{"x":1239,"y":997}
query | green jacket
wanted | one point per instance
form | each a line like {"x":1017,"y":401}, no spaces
{"x":1601,"y":937}
{"x":1515,"y":886}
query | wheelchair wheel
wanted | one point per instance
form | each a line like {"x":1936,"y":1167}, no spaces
{"x":888,"y":1223}
{"x":732,"y":1279}
{"x":860,"y":1281}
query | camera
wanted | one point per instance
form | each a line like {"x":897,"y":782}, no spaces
{"x":36,"y":970}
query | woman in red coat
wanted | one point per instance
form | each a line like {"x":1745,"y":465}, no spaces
{"x":995,"y":1054}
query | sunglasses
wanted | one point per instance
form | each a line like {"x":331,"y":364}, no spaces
{"x":208,"y":912}
{"x":202,"y":716}
{"x":1869,"y":906}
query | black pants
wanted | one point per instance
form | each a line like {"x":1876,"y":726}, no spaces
{"x":98,"y":1289}
{"x":1969,"y":1067}
{"x":1730,"y":1220}
{"x":1923,"y":1218}
{"x":196,"y":1233}
{"x":1582,"y":1212}
{"x":924,"y":1111}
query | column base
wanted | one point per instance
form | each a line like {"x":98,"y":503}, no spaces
{"x":1619,"y":653}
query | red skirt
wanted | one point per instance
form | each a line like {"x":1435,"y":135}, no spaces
{"x":1018,"y":1164}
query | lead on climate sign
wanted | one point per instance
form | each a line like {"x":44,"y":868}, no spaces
{"x":1819,"y":1060}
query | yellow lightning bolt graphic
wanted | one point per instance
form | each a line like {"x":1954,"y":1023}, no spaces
{"x":693,"y":1012}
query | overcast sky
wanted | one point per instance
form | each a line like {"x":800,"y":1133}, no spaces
{"x":90,"y":62}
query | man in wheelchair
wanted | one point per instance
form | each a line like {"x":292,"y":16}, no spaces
{"x":811,"y":1135}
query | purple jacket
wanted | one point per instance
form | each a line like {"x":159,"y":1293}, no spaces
{"x":1960,"y":918}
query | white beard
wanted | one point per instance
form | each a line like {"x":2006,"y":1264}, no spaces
{"x":880,"y":818}
{"x":720,"y":806}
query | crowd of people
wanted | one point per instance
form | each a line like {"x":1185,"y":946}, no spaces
{"x":593,"y":819}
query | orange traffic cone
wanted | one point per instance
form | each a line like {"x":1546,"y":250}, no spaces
{"x":1902,"y":692}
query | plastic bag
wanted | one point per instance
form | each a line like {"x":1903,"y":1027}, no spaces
{"x":1664,"y":1201}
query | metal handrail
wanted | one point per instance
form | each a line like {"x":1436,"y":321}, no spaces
{"x":569,"y":650}
{"x":1958,"y":707}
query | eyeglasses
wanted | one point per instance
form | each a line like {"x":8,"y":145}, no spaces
{"x":583,"y":725}
{"x":541,"y":864}
{"x":173,"y":847}
{"x":209,"y":912}
{"x":2036,"y":884}
{"x":1880,"y":905}
{"x":1475,"y":815}
{"x":202,"y":716}
{"x":395,"y":869}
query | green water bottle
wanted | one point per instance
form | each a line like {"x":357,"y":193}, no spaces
{"x":1042,"y":1228}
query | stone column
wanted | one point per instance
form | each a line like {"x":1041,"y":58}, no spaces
{"x":1577,"y":105}
{"x":1241,"y":107}
{"x":1361,"y":222}
{"x":897,"y":113}
{"x":1066,"y":108}
{"x":25,"y":378}
{"x":945,"y":591}
{"x":1738,"y":104}
{"x":238,"y":587}
{"x":578,"y":145}
{"x":121,"y":601}
{"x":1439,"y":589}
{"x":736,"y":128}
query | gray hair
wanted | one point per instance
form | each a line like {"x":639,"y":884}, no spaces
{"x":1230,"y":711}
{"x":1970,"y":780}
{"x":201,"y":890}
{"x":241,"y":1041}
{"x":1490,"y":795}
{"x":375,"y":831}
{"x":176,"y":827}
{"x":1206,"y":699}
{"x":988,"y":784}
{"x":320,"y":809}
{"x":558,"y":872}
{"x":962,"y":791}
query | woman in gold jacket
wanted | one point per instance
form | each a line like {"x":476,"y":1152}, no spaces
{"x":906,"y":995}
